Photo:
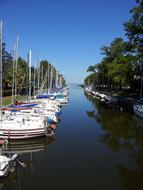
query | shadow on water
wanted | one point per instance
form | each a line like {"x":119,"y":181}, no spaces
{"x":11,"y":178}
{"x":96,"y":147}
{"x":28,"y":146}
{"x":27,"y":151}
{"x":122,"y":132}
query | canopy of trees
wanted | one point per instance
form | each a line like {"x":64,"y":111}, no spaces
{"x":122,"y":63}
{"x":18,"y":71}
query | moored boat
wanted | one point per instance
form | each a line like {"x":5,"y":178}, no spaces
{"x":20,"y":127}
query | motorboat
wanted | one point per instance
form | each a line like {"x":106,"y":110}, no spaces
{"x":24,"y":127}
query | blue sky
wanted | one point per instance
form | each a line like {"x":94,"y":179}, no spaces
{"x":68,"y":33}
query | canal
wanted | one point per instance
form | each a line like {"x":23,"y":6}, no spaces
{"x":95,"y":147}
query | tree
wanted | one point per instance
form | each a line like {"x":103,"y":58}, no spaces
{"x":116,"y":66}
{"x":21,"y":76}
{"x":92,"y":68}
{"x":134,"y":32}
{"x":6,"y":61}
{"x":90,"y":80}
{"x":134,"y":28}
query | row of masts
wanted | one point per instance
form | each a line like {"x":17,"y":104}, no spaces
{"x":15,"y":63}
{"x":40,"y":80}
{"x":1,"y":64}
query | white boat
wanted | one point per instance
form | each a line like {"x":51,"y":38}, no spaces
{"x":61,"y":99}
{"x":24,"y":127}
{"x":138,"y":110}
{"x":25,"y":124}
{"x":48,"y":107}
{"x":47,"y":114}
{"x":19,"y":126}
{"x":6,"y":164}
{"x":42,"y":109}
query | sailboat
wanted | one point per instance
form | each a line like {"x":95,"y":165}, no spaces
{"x":20,"y":126}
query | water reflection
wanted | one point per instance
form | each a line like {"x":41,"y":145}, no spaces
{"x":28,"y":146}
{"x":5,"y":181}
{"x":122,"y":132}
{"x":27,"y":151}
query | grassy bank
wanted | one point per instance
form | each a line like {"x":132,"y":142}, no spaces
{"x":8,"y":99}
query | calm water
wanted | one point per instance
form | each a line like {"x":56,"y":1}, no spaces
{"x":94,"y":148}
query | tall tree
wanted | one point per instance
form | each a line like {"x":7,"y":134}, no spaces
{"x":22,"y":74}
{"x":134,"y":32}
{"x":6,"y":60}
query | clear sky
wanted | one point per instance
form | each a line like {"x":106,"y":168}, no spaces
{"x":68,"y":33}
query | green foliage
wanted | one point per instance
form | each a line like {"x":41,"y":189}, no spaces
{"x":6,"y":60}
{"x":20,"y":73}
{"x":134,"y":28}
{"x":122,"y":64}
{"x":91,"y":68}
{"x":91,"y":79}
{"x":7,"y":99}
{"x":45,"y":71}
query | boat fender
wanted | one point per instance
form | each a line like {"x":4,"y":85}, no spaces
{"x":52,"y":126}
{"x":2,"y":141}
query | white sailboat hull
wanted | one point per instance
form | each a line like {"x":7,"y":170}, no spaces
{"x":23,"y":134}
{"x":24,"y":128}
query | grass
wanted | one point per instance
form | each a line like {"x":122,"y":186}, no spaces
{"x":8,"y":99}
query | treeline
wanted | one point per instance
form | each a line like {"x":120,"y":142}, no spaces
{"x":122,"y":63}
{"x":43,"y":76}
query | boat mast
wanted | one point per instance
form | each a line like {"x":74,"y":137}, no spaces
{"x":29,"y":61}
{"x":16,"y":64}
{"x":13,"y":76}
{"x":56,"y":79}
{"x":1,"y":65}
{"x":60,"y":81}
{"x":34,"y":83}
{"x":41,"y":79}
{"x":48,"y":77}
{"x":38,"y":73}
{"x":51,"y":79}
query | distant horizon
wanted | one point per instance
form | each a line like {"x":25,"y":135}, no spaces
{"x":73,"y":83}
{"x":67,"y":34}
